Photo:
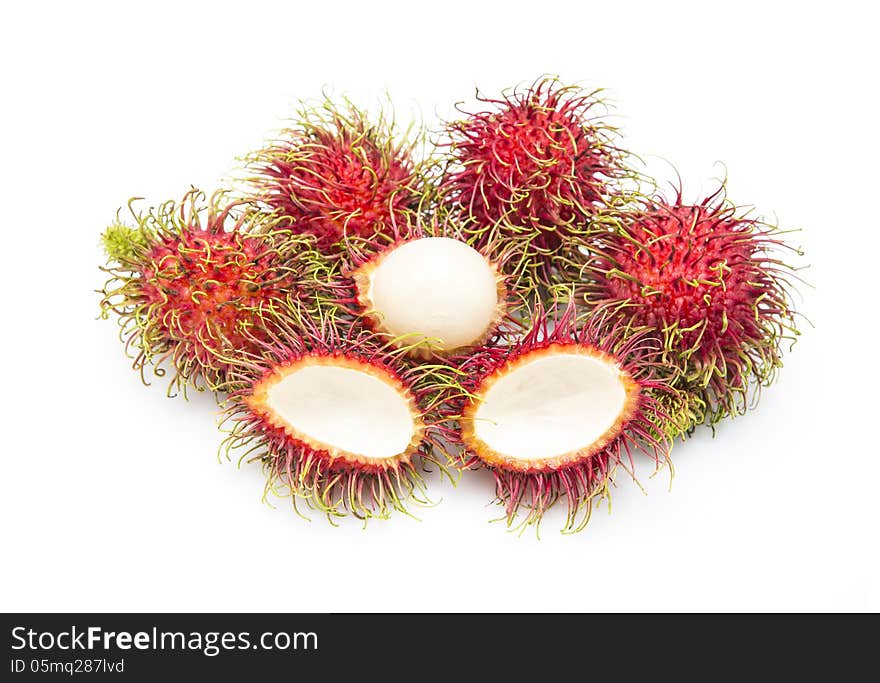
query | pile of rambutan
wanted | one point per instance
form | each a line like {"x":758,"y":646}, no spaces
{"x":373,"y":304}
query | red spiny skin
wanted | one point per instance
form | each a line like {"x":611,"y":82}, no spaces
{"x":191,"y":282}
{"x":677,"y":279}
{"x":645,"y":428}
{"x":337,"y":183}
{"x":336,"y":483}
{"x":537,"y":161}
{"x":703,"y":278}
{"x":199,"y":285}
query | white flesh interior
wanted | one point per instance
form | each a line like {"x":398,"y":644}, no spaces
{"x":344,"y":408}
{"x":550,"y":406}
{"x":436,"y":288}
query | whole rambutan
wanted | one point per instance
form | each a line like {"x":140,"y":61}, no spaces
{"x":337,"y":418}
{"x":340,"y":176}
{"x":189,"y":279}
{"x":531,"y":170}
{"x":553,"y":413}
{"x":709,"y":282}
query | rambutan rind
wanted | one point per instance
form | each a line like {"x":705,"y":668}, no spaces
{"x":333,"y":479}
{"x":349,"y":180}
{"x":626,"y":416}
{"x":530,"y":171}
{"x":188,"y":280}
{"x":708,"y":281}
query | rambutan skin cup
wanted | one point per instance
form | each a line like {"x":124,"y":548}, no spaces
{"x":351,"y":411}
{"x":556,"y":412}
{"x":550,"y":407}
{"x":337,"y":418}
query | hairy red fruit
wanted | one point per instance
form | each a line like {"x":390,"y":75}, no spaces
{"x":709,"y":282}
{"x":199,"y":281}
{"x":338,"y":176}
{"x":534,"y":167}
{"x":187,"y":282}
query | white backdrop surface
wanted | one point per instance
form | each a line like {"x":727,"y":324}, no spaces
{"x":112,"y":496}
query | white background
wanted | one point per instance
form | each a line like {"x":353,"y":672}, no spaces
{"x":111,"y":495}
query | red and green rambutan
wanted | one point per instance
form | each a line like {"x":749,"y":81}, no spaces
{"x":555,"y":412}
{"x":341,"y":176}
{"x":337,"y":417}
{"x":531,"y":169}
{"x":189,"y":279}
{"x":709,"y":281}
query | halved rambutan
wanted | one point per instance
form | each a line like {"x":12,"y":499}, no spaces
{"x":553,"y":413}
{"x":337,"y":418}
{"x":709,"y":281}
{"x":187,"y":281}
{"x":340,"y":176}
{"x":431,"y":295}
{"x":531,"y":170}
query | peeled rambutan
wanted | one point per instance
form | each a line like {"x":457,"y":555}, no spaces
{"x":337,"y":418}
{"x":531,"y":170}
{"x":340,"y":176}
{"x":553,"y":413}
{"x":432,"y":295}
{"x":709,"y":282}
{"x":188,"y":280}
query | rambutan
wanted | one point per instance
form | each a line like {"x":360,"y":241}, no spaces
{"x":337,"y":418}
{"x":709,"y":282}
{"x":435,"y":295}
{"x":531,"y":170}
{"x":553,"y":413}
{"x":188,"y":280}
{"x":340,"y":176}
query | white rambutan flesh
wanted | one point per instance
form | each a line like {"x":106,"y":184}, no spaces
{"x":346,"y":408}
{"x":434,"y":290}
{"x":550,"y":407}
